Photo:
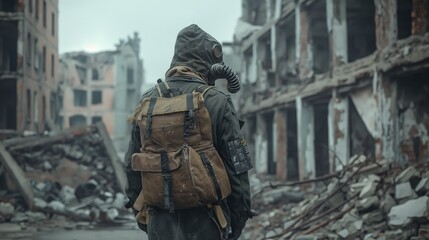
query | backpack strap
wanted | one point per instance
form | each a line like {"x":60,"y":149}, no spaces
{"x":152,"y":102}
{"x":163,"y":89}
{"x":203,"y":89}
{"x":189,"y":116}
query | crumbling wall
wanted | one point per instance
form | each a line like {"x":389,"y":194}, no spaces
{"x":339,"y":131}
{"x":261,"y":144}
{"x":305,"y":116}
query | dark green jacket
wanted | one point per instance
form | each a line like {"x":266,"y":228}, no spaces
{"x":226,"y":130}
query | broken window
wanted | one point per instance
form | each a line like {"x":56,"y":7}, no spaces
{"x":96,"y":119}
{"x":53,"y":24}
{"x":36,"y":54}
{"x":319,"y":37}
{"x":36,"y":109}
{"x":130,"y":75}
{"x":7,"y":6}
{"x":361,"y":140}
{"x":44,"y":14}
{"x":404,"y":10}
{"x":8,"y":46}
{"x":360,"y":29}
{"x":286,"y":47}
{"x":29,"y":50}
{"x":77,"y":120}
{"x":321,"y":138}
{"x":265,"y":71}
{"x":8,"y":104}
{"x":44,"y":110}
{"x":96,"y":97}
{"x":79,"y":97}
{"x":52,"y":65}
{"x":95,"y":74}
{"x":44,"y":59}
{"x":81,"y":71}
{"x":28,"y":107}
{"x":269,"y":123}
{"x":292,"y":166}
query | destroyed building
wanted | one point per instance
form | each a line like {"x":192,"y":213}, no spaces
{"x":29,"y":93}
{"x":326,"y":80}
{"x":103,"y":86}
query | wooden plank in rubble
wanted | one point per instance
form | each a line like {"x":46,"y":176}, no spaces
{"x":17,"y":175}
{"x":113,"y":156}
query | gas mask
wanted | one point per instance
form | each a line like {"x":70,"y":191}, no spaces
{"x":222,"y":71}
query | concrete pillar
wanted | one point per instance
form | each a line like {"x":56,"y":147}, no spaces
{"x":386,"y":24}
{"x":339,"y":130}
{"x":303,"y":43}
{"x":336,"y":17}
{"x":305,"y":119}
{"x":386,"y":142}
{"x":261,"y":145}
{"x":280,"y":143}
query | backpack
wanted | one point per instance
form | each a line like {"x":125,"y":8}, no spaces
{"x":180,"y":168}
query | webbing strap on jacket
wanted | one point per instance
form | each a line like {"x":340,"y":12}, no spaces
{"x":152,"y":102}
{"x":164,"y":90}
{"x":168,"y":197}
{"x":189,"y":116}
{"x":212,"y":175}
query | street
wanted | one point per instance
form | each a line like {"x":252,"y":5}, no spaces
{"x":125,"y":232}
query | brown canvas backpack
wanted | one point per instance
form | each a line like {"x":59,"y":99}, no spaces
{"x":180,"y":168}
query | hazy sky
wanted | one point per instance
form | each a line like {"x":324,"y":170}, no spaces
{"x":95,"y":25}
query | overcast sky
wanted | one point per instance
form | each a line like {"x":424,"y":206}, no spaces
{"x":95,"y":25}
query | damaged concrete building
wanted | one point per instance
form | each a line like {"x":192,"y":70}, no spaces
{"x":28,"y":65}
{"x":329,"y":79}
{"x":103,"y":86}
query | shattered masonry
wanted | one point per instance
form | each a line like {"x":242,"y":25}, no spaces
{"x":335,"y":79}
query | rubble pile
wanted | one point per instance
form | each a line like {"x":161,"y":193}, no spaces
{"x":366,"y":200}
{"x":70,"y":174}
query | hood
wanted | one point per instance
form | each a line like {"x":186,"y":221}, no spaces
{"x":194,"y":48}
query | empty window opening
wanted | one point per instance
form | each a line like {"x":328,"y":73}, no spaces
{"x":413,"y":116}
{"x":79,"y":97}
{"x":8,"y":6}
{"x":44,"y":117}
{"x":96,"y":119}
{"x":53,"y":24}
{"x":292,"y":166}
{"x":130,"y":75}
{"x":28,"y":107}
{"x":319,"y":37}
{"x":97,"y":97}
{"x":360,"y":29}
{"x":36,"y":54}
{"x":404,"y":9}
{"x":52,"y":65}
{"x":36,"y":7}
{"x":95,"y":75}
{"x":286,"y":47}
{"x":269,"y":123}
{"x":8,"y":47}
{"x":44,"y":59}
{"x":44,"y":13}
{"x":81,"y":71}
{"x":255,"y":12}
{"x":321,"y":139}
{"x":29,"y":51}
{"x":361,"y":140}
{"x":8,"y":103}
{"x":36,"y":110}
{"x":77,"y":120}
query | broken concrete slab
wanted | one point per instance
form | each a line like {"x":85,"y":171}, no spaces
{"x":406,"y":175}
{"x":404,"y":191}
{"x":402,"y":215}
{"x":17,"y":175}
{"x":369,"y":189}
{"x":423,"y":186}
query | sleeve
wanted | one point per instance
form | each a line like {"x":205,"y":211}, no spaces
{"x":233,"y":150}
{"x":133,"y":178}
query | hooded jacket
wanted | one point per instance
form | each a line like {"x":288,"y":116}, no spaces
{"x":191,"y":61}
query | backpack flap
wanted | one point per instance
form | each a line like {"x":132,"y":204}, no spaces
{"x":150,"y":162}
{"x":172,"y":105}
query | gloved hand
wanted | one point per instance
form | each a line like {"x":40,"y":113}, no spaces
{"x":237,"y":225}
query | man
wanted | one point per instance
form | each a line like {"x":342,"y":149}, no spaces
{"x":195,"y":54}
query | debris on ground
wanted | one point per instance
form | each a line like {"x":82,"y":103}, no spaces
{"x":367,"y":200}
{"x":74,"y":173}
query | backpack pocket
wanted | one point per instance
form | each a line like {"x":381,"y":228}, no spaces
{"x":192,"y":179}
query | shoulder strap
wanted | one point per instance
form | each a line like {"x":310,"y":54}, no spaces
{"x":203,"y":89}
{"x":163,"y":89}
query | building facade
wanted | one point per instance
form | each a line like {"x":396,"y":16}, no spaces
{"x":28,"y":65}
{"x":103,"y":86}
{"x":326,"y":80}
